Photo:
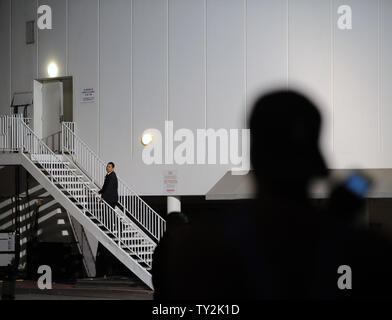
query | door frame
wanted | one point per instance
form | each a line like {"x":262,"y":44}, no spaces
{"x":37,"y":100}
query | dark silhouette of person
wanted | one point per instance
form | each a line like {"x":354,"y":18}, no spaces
{"x":109,"y":191}
{"x":196,"y":259}
{"x":298,"y":248}
{"x":278,"y":246}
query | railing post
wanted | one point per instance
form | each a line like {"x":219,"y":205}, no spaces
{"x":19,"y":134}
{"x":62,"y":138}
{"x":119,"y":231}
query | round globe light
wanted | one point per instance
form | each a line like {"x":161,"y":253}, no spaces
{"x":52,"y":70}
{"x":147,"y":138}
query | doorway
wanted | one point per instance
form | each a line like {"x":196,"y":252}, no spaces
{"x":53,"y":104}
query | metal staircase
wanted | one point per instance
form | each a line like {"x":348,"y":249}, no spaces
{"x":73,"y":178}
{"x":131,"y":204}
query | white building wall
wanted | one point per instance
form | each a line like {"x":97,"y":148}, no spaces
{"x":17,"y":59}
{"x":83,"y":61}
{"x":385,"y":76}
{"x":201,"y":63}
{"x":5,"y":55}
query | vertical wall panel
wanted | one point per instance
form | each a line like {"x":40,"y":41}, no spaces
{"x":149,"y":65}
{"x":5,"y":58}
{"x":149,"y":86}
{"x":266,"y":46}
{"x":225,"y":64}
{"x":83,"y":65}
{"x":115,"y":69}
{"x":356,"y":107}
{"x":386,"y":75}
{"x":24,"y":58}
{"x":186,"y":63}
{"x":310,"y":58}
{"x":187,"y":80}
{"x":52,"y":43}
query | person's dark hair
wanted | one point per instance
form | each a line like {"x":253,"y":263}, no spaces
{"x":111,"y":164}
{"x":285,"y":127}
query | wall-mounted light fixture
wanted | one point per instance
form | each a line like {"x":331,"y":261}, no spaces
{"x":53,"y":70}
{"x":147,"y":138}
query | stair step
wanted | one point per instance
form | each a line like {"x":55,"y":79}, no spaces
{"x":49,"y":162}
{"x":128,"y":234}
{"x":43,"y":164}
{"x":78,"y":182}
{"x":148,"y":262}
{"x":133,"y":239}
{"x":79,"y":189}
{"x":101,"y":225}
{"x":131,"y":235}
{"x":59,"y":169}
{"x":145,"y":253}
{"x":128,"y":231}
{"x":75,"y":189}
{"x":122,"y":238}
{"x":141,"y":246}
{"x":140,"y":254}
{"x":68,"y":176}
{"x":142,"y":261}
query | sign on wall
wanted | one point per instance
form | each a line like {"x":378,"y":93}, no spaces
{"x":87,"y":95}
{"x":170,"y":181}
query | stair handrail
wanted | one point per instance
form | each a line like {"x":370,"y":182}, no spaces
{"x":94,"y":166}
{"x":100,"y":209}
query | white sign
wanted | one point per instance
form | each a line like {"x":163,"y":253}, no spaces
{"x":87,"y":95}
{"x":170,"y":181}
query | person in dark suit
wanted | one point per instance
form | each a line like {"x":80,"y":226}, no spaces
{"x":109,"y":191}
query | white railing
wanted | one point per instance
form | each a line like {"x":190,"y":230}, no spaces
{"x":19,"y":137}
{"x":95,"y":169}
{"x":10,"y":129}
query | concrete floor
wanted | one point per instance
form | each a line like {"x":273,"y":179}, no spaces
{"x":85,"y":289}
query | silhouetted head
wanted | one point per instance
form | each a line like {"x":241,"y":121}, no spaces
{"x":285,"y":129}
